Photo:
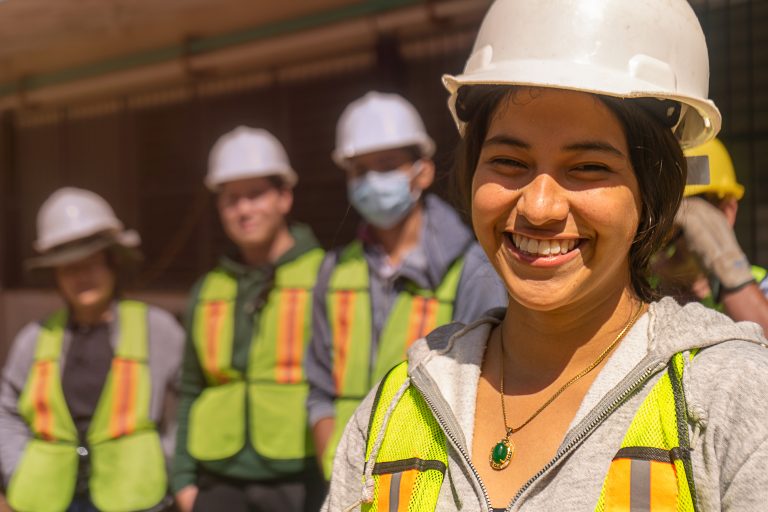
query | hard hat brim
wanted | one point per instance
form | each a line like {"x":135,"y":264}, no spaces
{"x":703,"y":120}
{"x":125,"y":243}
{"x":288,"y":175}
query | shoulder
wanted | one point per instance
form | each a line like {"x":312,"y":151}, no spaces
{"x":457,"y":341}
{"x":160,"y":318}
{"x":22,"y":351}
{"x":730,"y":377}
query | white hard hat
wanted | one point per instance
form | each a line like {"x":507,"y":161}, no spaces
{"x":248,"y":153}
{"x":621,"y":48}
{"x":376,"y":122}
{"x":72,"y":214}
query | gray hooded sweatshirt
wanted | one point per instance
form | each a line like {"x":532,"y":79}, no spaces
{"x":725,"y":389}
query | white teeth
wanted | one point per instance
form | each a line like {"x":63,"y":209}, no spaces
{"x":543,"y":247}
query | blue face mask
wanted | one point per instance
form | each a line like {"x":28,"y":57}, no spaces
{"x":382,"y":198}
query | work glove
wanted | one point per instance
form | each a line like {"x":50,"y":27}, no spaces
{"x":710,"y":237}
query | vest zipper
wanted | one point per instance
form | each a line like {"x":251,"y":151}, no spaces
{"x":583,"y":433}
{"x":461,"y":450}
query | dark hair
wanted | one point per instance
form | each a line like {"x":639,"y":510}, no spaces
{"x":655,"y":154}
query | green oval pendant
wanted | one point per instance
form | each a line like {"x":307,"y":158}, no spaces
{"x":501,"y":454}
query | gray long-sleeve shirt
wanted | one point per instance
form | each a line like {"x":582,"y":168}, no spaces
{"x":444,"y":238}
{"x":166,"y":341}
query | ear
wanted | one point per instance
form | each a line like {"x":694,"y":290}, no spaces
{"x":426,"y":177}
{"x":730,"y":207}
{"x":285,"y":201}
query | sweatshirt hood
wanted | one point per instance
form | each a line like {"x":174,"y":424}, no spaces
{"x":677,"y":329}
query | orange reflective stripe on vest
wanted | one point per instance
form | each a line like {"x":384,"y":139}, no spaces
{"x":344,"y":303}
{"x":215,"y":314}
{"x":641,"y":482}
{"x":43,"y":419}
{"x":395,"y":491}
{"x":122,"y":421}
{"x":423,"y":318}
{"x":290,"y":335}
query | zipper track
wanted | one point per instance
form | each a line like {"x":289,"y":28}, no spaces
{"x":576,"y":440}
{"x":460,"y":449}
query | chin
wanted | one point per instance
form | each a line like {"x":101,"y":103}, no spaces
{"x":89,"y":299}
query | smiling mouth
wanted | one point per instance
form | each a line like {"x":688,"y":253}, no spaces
{"x":537,"y":247}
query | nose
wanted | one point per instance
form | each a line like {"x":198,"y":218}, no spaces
{"x":543,"y":200}
{"x":243,"y":205}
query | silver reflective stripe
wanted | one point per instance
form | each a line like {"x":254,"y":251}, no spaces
{"x":698,"y":170}
{"x":640,"y":486}
{"x":394,"y":492}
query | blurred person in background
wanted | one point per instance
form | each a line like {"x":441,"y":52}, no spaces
{"x":704,"y":261}
{"x":414,"y":265}
{"x":87,"y":399}
{"x":243,"y":441}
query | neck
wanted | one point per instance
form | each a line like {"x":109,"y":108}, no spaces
{"x":542,"y":345}
{"x":92,"y":315}
{"x":399,"y":239}
{"x":259,"y":255}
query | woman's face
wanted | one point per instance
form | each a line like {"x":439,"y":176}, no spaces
{"x":86,"y":283}
{"x":555,"y":201}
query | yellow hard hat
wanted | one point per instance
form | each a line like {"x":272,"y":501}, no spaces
{"x":722,"y":176}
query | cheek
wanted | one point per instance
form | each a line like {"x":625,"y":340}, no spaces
{"x":616,"y":214}
{"x":490,"y":201}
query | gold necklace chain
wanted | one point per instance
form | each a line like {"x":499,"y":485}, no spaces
{"x":502,"y":452}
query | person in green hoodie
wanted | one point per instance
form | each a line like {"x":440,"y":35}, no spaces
{"x":243,"y":442}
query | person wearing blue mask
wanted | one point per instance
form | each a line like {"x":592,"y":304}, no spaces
{"x":413,"y":267}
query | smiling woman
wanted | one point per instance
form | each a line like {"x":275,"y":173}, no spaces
{"x":586,"y":392}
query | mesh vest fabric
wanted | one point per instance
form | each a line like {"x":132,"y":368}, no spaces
{"x":127,"y":466}
{"x":651,"y":470}
{"x":267,"y":404}
{"x":415,"y":313}
{"x":411,"y":461}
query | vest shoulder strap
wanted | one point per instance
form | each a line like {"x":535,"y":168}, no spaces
{"x":51,"y":336}
{"x":351,"y":270}
{"x":133,"y":327}
{"x":446,"y":292}
{"x":653,"y":464}
{"x":218,"y":285}
{"x":406,"y":447}
{"x":301,"y":272}
{"x":759,"y":273}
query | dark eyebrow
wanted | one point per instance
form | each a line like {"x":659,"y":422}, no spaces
{"x":594,"y":146}
{"x":506,"y":140}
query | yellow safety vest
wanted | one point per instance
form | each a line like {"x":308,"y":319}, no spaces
{"x":126,"y":458}
{"x":650,"y":472}
{"x":415,"y":313}
{"x":268,"y":404}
